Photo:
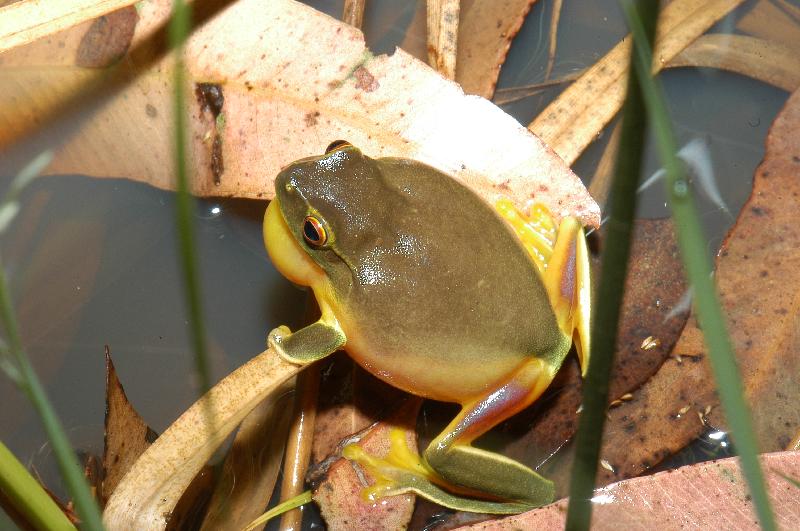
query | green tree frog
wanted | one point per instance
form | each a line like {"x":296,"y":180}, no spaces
{"x":439,"y":293}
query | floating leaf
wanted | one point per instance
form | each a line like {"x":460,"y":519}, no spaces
{"x":758,"y":273}
{"x":574,"y":119}
{"x":711,"y":495}
{"x":297,"y":80}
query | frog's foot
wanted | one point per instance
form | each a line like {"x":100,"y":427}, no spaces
{"x":308,"y":344}
{"x":403,"y":470}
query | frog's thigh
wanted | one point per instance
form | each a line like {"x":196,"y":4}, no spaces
{"x":451,"y":455}
{"x":308,"y":344}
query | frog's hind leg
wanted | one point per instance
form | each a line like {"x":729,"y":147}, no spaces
{"x":455,"y":460}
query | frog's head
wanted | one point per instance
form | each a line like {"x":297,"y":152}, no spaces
{"x":316,"y":198}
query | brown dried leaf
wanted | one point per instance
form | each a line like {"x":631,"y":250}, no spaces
{"x":297,"y":80}
{"x":765,"y":60}
{"x":339,"y":494}
{"x":710,"y":495}
{"x":127,"y":435}
{"x":574,"y":119}
{"x":653,"y":290}
{"x":773,"y":20}
{"x":758,"y":274}
{"x":486,"y":30}
{"x":252,"y":465}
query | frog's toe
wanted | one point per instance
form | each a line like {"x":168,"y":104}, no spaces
{"x":276,"y":337}
{"x":403,"y":470}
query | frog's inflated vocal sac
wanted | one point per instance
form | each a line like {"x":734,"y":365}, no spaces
{"x":429,"y":288}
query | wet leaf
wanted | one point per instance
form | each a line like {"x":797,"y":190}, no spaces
{"x":773,"y":20}
{"x":127,"y":435}
{"x":297,"y":80}
{"x":653,"y":289}
{"x":442,"y":35}
{"x":574,"y":119}
{"x":765,"y":60}
{"x":339,"y":494}
{"x":148,"y":493}
{"x":758,"y":273}
{"x":486,"y":30}
{"x":711,"y":495}
{"x":252,"y":465}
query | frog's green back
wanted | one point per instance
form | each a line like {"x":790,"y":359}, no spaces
{"x":428,"y":279}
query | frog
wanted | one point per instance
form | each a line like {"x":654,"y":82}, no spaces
{"x":434,"y":290}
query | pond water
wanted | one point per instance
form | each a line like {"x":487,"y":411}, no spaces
{"x":94,"y":263}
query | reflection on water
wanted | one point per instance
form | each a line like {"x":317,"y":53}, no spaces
{"x":93,"y":262}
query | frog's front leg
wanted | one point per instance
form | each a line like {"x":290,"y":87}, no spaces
{"x":454,"y":459}
{"x":308,"y":344}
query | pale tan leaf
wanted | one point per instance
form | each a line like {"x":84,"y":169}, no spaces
{"x":353,"y":12}
{"x":148,"y":493}
{"x":252,"y":465}
{"x":773,"y":20}
{"x":574,"y":119}
{"x":765,"y":60}
{"x":297,"y":80}
{"x":443,"y":35}
{"x":24,"y":22}
{"x":711,"y":495}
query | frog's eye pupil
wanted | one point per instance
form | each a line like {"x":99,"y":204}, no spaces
{"x":313,"y":232}
{"x":336,"y":144}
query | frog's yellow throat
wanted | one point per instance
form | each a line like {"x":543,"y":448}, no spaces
{"x":289,"y":258}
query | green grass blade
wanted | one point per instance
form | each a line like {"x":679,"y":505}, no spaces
{"x":19,"y":368}
{"x":28,"y":497}
{"x":698,"y":269}
{"x":605,"y":318}
{"x":178,"y":31}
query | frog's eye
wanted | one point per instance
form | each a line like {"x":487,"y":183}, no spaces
{"x":337,"y":144}
{"x":314,"y":232}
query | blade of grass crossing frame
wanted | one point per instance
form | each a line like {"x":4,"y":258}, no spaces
{"x":21,"y":371}
{"x":698,"y":268}
{"x":178,"y":31}
{"x":621,"y":209}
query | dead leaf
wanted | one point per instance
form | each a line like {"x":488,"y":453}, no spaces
{"x":127,"y":435}
{"x":765,"y":60}
{"x":251,"y":467}
{"x":353,"y":12}
{"x":574,"y":119}
{"x":149,"y":492}
{"x":773,"y":20}
{"x":758,"y":274}
{"x":339,"y":494}
{"x":486,"y":30}
{"x":442,"y":35}
{"x":653,"y":289}
{"x":710,"y":495}
{"x":298,"y":80}
{"x":20,"y":21}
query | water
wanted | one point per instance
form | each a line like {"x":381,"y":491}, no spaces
{"x":93,"y":262}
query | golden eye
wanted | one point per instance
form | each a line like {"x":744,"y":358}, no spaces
{"x":337,"y":144}
{"x":314,"y":232}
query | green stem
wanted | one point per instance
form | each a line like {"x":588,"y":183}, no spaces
{"x":698,"y":269}
{"x":28,"y":497}
{"x":178,"y":30}
{"x":32,"y":387}
{"x":617,"y":242}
